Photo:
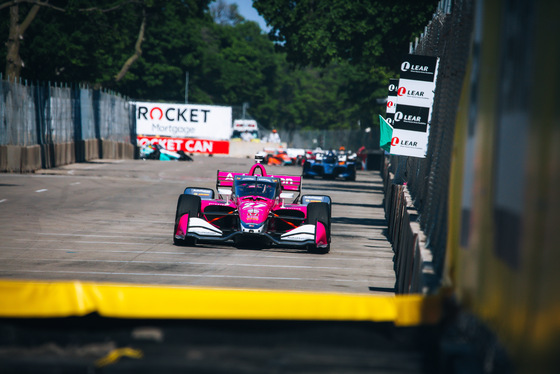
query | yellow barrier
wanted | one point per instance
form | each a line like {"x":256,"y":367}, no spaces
{"x":42,"y":299}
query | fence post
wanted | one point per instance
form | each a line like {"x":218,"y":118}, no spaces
{"x":97,"y":120}
{"x":79,"y":146}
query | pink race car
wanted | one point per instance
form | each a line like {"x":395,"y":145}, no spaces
{"x":251,"y":211}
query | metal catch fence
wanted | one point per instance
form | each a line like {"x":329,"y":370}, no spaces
{"x":447,"y":36}
{"x":42,"y":113}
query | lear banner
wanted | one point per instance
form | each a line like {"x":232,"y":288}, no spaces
{"x":419,"y":68}
{"x":183,"y":120}
{"x":410,"y":131}
{"x":417,"y":93}
{"x":391,"y":100}
{"x":413,"y":110}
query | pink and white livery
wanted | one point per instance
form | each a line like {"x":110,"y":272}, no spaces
{"x":251,"y":211}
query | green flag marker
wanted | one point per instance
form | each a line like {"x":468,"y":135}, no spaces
{"x":386,"y":134}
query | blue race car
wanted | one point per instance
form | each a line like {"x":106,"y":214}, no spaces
{"x":330,"y":165}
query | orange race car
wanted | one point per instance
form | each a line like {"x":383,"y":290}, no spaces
{"x":278,"y":157}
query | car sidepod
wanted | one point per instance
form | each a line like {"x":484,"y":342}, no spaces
{"x":191,"y":217}
{"x":346,"y":171}
{"x":313,"y":168}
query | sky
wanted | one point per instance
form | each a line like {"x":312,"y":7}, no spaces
{"x":246,"y":9}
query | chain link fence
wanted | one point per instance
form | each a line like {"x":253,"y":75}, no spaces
{"x":18,"y":116}
{"x":51,"y":114}
{"x":448,"y":37}
{"x":115,"y":119}
{"x":333,"y":139}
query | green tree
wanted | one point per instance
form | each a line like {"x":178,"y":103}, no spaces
{"x":173,"y":45}
{"x":359,"y":44}
{"x":53,"y":37}
{"x":239,"y":64}
{"x":225,"y":14}
{"x":375,"y":32}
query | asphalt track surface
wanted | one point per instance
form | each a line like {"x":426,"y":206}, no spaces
{"x":112,"y":221}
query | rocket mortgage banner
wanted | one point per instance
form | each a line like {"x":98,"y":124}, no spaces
{"x":413,"y":110}
{"x":183,"y":120}
{"x":186,"y":145}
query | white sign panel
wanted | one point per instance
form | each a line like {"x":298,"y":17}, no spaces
{"x":413,"y":112}
{"x":419,"y":68}
{"x":391,"y":100}
{"x":409,"y":143}
{"x":417,"y":93}
{"x":183,"y":120}
{"x":411,"y":118}
{"x":392,"y":96}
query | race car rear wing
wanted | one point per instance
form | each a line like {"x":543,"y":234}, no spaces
{"x":288,"y":182}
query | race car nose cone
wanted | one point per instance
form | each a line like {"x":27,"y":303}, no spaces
{"x":253,"y":213}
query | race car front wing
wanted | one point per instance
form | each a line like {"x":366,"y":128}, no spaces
{"x":202,"y":230}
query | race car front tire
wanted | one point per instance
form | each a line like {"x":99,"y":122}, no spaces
{"x":306,"y":169}
{"x":319,"y":212}
{"x":187,"y":204}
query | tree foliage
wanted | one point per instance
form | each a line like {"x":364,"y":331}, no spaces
{"x":362,"y":42}
{"x":27,"y":16}
{"x":372,"y":32}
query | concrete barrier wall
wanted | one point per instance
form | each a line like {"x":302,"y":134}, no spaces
{"x":249,"y":149}
{"x":27,"y":159}
{"x":64,"y":154}
{"x":87,"y":150}
{"x":20,"y":159}
{"x":413,"y":261}
{"x":91,"y":149}
{"x":30,"y":158}
{"x":116,"y":150}
{"x":10,"y":158}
